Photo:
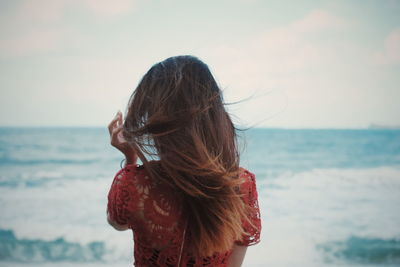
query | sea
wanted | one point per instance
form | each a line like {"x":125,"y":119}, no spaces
{"x":328,"y":197}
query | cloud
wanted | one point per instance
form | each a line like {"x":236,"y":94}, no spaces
{"x":318,"y":20}
{"x":300,"y":71}
{"x":40,"y":11}
{"x":50,"y":10}
{"x":41,"y":26}
{"x":31,"y":42}
{"x":280,"y":51}
{"x":106,"y":8}
{"x":391,"y":50}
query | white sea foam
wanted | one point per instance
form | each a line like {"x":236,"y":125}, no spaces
{"x":74,"y":210}
{"x":300,"y":211}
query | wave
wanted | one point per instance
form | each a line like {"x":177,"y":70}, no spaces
{"x":362,"y":250}
{"x":36,"y":250}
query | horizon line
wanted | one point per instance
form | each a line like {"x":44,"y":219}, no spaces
{"x":370,"y":127}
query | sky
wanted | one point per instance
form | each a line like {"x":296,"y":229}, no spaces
{"x":296,"y":64}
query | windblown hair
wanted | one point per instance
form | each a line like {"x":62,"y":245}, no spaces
{"x":177,"y":114}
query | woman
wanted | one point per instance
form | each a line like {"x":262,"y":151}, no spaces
{"x":191,"y":204}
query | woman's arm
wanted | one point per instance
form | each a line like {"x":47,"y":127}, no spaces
{"x":237,"y":256}
{"x":117,"y":140}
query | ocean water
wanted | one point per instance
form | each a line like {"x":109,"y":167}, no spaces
{"x":327,"y":197}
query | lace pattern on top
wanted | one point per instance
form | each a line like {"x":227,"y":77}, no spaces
{"x":154,"y":213}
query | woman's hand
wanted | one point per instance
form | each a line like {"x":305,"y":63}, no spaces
{"x":118,"y":141}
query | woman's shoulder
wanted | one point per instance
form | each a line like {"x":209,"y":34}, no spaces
{"x":246,"y":175}
{"x":248,"y":186}
{"x":245,"y":171}
{"x":154,"y":179}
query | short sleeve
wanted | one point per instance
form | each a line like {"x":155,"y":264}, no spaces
{"x":250,"y":197}
{"x":122,"y":197}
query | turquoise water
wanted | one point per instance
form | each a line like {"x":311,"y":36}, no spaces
{"x":327,"y":197}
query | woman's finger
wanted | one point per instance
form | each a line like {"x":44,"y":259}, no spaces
{"x":120,"y":118}
{"x":118,"y":141}
{"x":118,"y":122}
{"x":111,"y":124}
{"x":115,"y":129}
{"x":114,"y":135}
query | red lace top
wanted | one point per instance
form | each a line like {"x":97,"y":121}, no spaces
{"x":153,"y":211}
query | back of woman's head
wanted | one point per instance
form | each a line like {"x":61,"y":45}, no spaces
{"x":177,"y":114}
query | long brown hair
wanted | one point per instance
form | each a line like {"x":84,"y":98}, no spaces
{"x":177,"y":114}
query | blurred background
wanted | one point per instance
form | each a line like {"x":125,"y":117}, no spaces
{"x":320,"y":82}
